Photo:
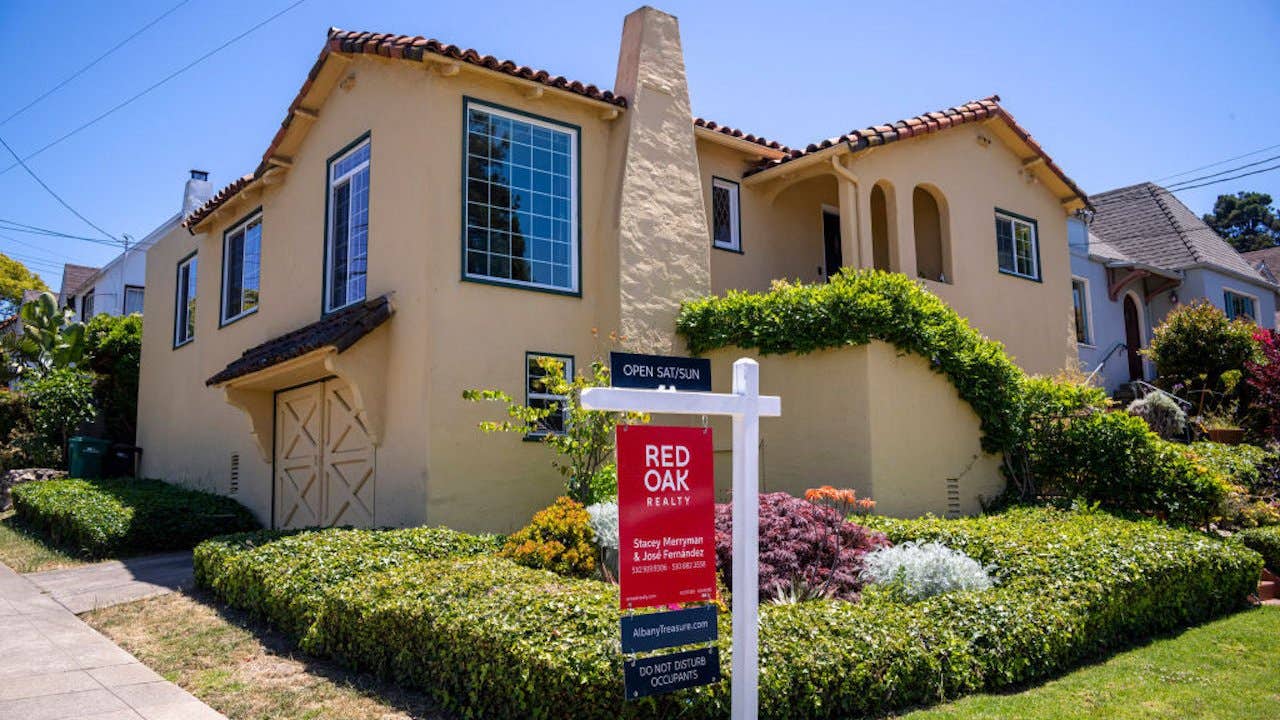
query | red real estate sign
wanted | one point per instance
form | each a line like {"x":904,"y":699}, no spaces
{"x":666,"y":515}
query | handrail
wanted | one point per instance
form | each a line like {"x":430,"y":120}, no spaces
{"x":1148,"y":387}
{"x":1105,"y":358}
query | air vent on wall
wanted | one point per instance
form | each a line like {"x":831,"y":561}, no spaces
{"x":235,"y":474}
{"x":953,"y":497}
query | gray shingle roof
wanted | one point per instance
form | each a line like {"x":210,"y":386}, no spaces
{"x":1150,"y":225}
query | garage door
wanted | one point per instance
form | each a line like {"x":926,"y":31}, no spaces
{"x":324,"y":459}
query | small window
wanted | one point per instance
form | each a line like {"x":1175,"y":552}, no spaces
{"x":726,"y":219}
{"x":185,"y":303}
{"x":538,"y":396}
{"x":1080,"y":298}
{"x":1016,"y":246}
{"x":1239,"y":306}
{"x":133,"y":297}
{"x":347,"y":247}
{"x":86,"y":307}
{"x":521,"y":196}
{"x":241,"y":265}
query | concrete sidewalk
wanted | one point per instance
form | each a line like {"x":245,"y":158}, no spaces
{"x":55,"y":667}
{"x":100,"y":585}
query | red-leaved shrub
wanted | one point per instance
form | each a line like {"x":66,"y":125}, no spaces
{"x":805,"y":548}
{"x":1264,"y":378}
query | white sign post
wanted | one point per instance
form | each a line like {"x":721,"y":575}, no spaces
{"x":746,"y":406}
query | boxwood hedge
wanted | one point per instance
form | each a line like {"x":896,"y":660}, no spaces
{"x":109,"y":517}
{"x":1266,"y":542}
{"x":489,"y":638}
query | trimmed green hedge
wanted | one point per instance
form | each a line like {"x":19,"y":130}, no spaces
{"x":489,"y":638}
{"x":1266,"y":542}
{"x":108,"y":517}
{"x":854,"y":308}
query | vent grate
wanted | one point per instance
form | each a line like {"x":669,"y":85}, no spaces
{"x":234,"y":486}
{"x":953,"y":497}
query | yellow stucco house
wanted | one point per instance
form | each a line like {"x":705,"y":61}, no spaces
{"x":429,"y":219}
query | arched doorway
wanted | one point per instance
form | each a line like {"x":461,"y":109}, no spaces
{"x":1133,"y":337}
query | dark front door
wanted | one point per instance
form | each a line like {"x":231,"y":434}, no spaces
{"x":1133,"y":337}
{"x":831,"y":242}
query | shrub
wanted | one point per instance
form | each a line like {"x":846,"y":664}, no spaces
{"x":921,"y":570}
{"x":559,"y":539}
{"x":1246,"y":465}
{"x":283,"y":576}
{"x":1162,"y":414}
{"x":16,"y":431}
{"x":490,"y":639}
{"x":107,"y":517}
{"x":61,"y":401}
{"x":1266,"y":542}
{"x":854,"y":308}
{"x":604,"y":523}
{"x":1196,"y":346}
{"x":1264,"y":378}
{"x":802,"y":546}
{"x":113,"y":346}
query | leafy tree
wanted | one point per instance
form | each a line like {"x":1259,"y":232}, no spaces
{"x":1247,"y":220}
{"x":1201,"y":355}
{"x":113,"y":349}
{"x":15,"y":279}
{"x":61,"y":400}
{"x":51,"y":338}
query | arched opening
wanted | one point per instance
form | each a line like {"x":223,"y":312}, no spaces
{"x":881,"y":234}
{"x":933,"y":256}
{"x":1133,"y":335}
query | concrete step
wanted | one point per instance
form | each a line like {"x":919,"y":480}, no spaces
{"x":1268,"y":590}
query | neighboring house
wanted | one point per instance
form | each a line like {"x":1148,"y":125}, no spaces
{"x":119,"y":287}
{"x":429,"y":219}
{"x":1143,"y":254}
{"x":1267,"y":263}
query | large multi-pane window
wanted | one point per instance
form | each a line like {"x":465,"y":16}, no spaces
{"x":86,"y":307}
{"x":241,"y":265}
{"x":1016,"y":246}
{"x":184,"y":319}
{"x":521,"y":179}
{"x":133,"y":298}
{"x":1239,"y":306}
{"x":347,"y":247}
{"x":1080,"y":299}
{"x":726,"y":232}
{"x":538,"y":395}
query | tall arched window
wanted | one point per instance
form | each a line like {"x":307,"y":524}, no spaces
{"x":933,"y":257}
{"x":881,"y":230}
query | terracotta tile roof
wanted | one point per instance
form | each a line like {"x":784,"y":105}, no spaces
{"x":931,"y":122}
{"x":740,"y":134}
{"x":339,"y":331}
{"x":405,"y":47}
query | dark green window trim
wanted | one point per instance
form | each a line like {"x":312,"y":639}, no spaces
{"x":222,"y":272}
{"x":738,"y":193}
{"x":467,"y":100}
{"x":176,"y":285}
{"x":324,"y":266}
{"x":1035,"y":229}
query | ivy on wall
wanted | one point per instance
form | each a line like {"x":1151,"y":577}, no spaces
{"x":854,"y":308}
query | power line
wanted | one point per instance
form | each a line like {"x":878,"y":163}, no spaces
{"x":34,"y":247}
{"x":95,"y":61}
{"x":49,"y":190}
{"x":1174,"y":186}
{"x":15,"y":226}
{"x":1216,"y":164}
{"x":162,"y":81}
{"x":1233,"y":177}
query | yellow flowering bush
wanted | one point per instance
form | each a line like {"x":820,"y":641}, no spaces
{"x":559,"y":539}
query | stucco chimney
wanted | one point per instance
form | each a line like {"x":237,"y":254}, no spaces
{"x":197,"y":191}
{"x":664,"y":248}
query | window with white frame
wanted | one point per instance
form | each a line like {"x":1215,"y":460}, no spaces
{"x":133,"y":298}
{"x":538,"y":395}
{"x":86,"y":307}
{"x":184,"y":316}
{"x":347,"y":246}
{"x":521,"y":180}
{"x":241,"y":268}
{"x":726,"y":230}
{"x":1016,"y":245}
{"x":1080,"y":299}
{"x":1239,"y":305}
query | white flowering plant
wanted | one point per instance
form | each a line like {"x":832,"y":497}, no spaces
{"x":915,"y":571}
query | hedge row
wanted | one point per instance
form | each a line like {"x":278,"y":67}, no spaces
{"x":108,"y":517}
{"x":492,"y":639}
{"x":1266,"y":542}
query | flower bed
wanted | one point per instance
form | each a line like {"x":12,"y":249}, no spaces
{"x":100,"y":518}
{"x":489,"y":638}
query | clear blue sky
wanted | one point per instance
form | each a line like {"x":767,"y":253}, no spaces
{"x":1117,"y":93}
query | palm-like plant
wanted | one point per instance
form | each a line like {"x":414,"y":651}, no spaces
{"x":50,"y":338}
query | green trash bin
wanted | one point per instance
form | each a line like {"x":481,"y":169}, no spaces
{"x":85,"y":457}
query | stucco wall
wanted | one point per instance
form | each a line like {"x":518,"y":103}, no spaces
{"x":1211,"y":284}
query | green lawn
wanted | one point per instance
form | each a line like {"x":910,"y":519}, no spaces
{"x":26,"y":551}
{"x":1224,"y":670}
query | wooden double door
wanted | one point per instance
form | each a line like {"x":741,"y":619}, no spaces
{"x":324,"y":459}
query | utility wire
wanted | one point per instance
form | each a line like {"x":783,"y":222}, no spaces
{"x":49,"y":190}
{"x":1174,"y":186}
{"x":162,"y":81}
{"x":95,"y":61}
{"x":14,"y":226}
{"x":1233,"y":177}
{"x":1216,"y":164}
{"x":33,"y":247}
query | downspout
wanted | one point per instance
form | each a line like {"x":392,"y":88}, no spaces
{"x":845,"y":174}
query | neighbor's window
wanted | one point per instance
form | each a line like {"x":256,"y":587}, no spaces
{"x":347,"y":246}
{"x":1016,"y":246}
{"x":536,"y":393}
{"x":185,"y":303}
{"x":1239,"y":306}
{"x":241,"y":262}
{"x":1080,"y":298}
{"x":86,"y":307}
{"x":726,"y":232}
{"x":133,"y":297}
{"x":521,"y":179}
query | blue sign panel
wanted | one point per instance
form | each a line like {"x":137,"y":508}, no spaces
{"x":660,"y":674}
{"x":654,"y":631}
{"x":632,"y":370}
